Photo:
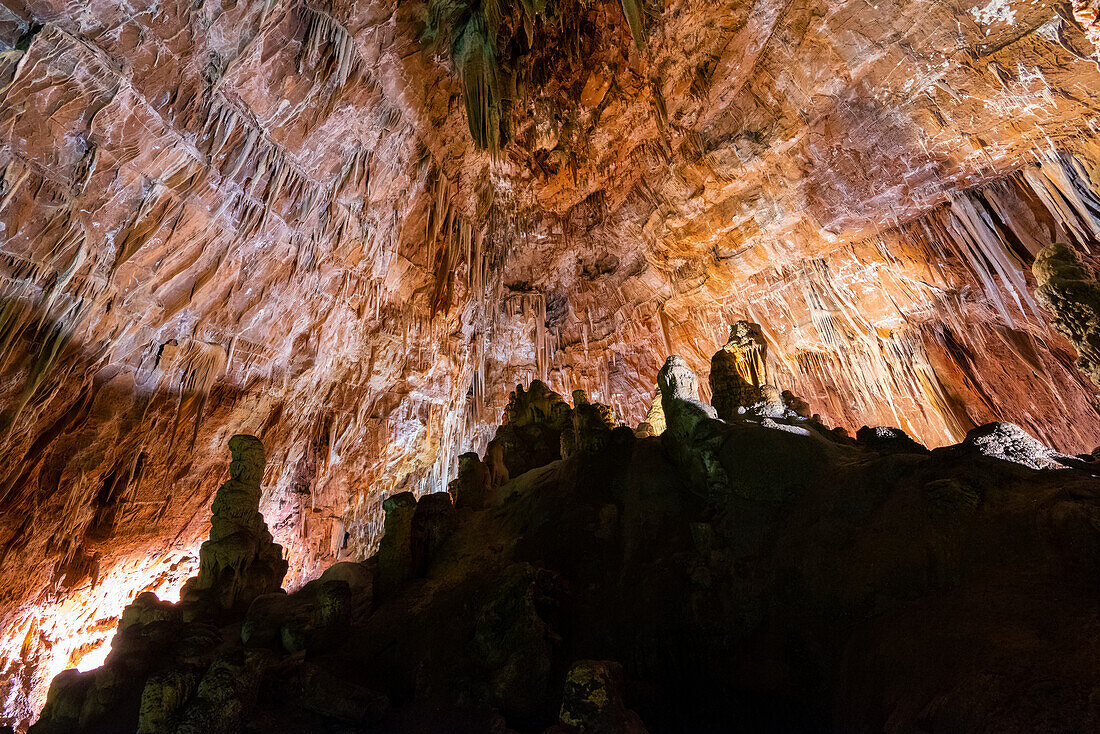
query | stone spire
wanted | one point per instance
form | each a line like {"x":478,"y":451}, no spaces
{"x":739,"y":370}
{"x":240,"y":561}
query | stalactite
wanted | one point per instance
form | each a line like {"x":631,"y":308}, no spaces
{"x":1070,"y":195}
{"x":327,"y":45}
{"x":193,"y":368}
{"x":635,"y":18}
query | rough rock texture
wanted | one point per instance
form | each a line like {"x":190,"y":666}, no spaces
{"x":886,"y":438}
{"x":275,"y":217}
{"x":1087,"y":13}
{"x":1010,"y":443}
{"x":593,"y":701}
{"x":842,"y":587}
{"x":239,"y":562}
{"x":739,"y":370}
{"x":1073,"y":297}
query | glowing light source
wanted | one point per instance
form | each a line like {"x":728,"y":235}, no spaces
{"x":74,"y":630}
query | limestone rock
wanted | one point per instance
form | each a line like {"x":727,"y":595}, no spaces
{"x":470,"y":488}
{"x":266,"y":617}
{"x":676,"y":381}
{"x":240,"y":561}
{"x":356,"y":575}
{"x":824,"y":570}
{"x":312,"y":688}
{"x":432,"y":522}
{"x":61,"y":714}
{"x":654,"y":422}
{"x":739,"y":370}
{"x":1009,"y":442}
{"x":494,"y":459}
{"x":691,"y":441}
{"x":222,"y":700}
{"x":594,"y":700}
{"x":514,"y":640}
{"x":231,"y":213}
{"x":162,"y":698}
{"x":395,"y":555}
{"x":796,"y":405}
{"x":1087,"y":13}
{"x":886,"y":438}
{"x":146,"y":609}
{"x":530,"y":433}
{"x":590,"y":428}
{"x":1073,"y":297}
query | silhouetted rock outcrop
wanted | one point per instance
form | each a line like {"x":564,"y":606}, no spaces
{"x":470,"y":489}
{"x":590,"y":427}
{"x":240,"y":561}
{"x":395,"y":555}
{"x":758,"y":574}
{"x":886,"y":438}
{"x":530,"y":432}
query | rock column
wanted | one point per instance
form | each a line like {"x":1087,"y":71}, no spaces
{"x":240,"y":561}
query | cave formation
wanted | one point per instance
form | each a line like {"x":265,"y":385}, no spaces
{"x":552,"y":365}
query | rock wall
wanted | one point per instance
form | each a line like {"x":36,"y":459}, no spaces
{"x":270,"y":217}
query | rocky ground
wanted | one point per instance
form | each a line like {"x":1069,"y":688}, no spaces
{"x":759,"y":573}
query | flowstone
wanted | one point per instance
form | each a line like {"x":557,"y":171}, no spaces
{"x":654,"y":423}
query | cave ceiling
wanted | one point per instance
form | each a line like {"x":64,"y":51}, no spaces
{"x":289,"y":219}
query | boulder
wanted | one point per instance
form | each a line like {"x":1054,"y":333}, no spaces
{"x":1009,"y":442}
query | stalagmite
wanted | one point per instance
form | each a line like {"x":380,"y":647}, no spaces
{"x":739,"y":370}
{"x":395,"y":554}
{"x":686,"y":431}
{"x":240,"y":561}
